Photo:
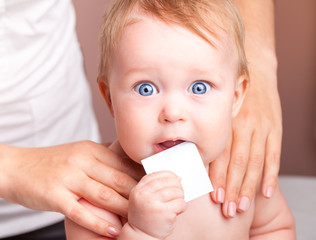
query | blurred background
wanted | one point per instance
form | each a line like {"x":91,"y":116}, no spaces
{"x":296,"y":50}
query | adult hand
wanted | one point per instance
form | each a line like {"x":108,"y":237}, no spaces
{"x":58,"y":177}
{"x":257,"y":129}
{"x":255,"y":143}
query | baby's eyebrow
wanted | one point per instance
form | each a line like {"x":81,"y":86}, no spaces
{"x":194,"y":72}
{"x":201,"y":71}
{"x":139,"y":70}
{"x":206,"y":74}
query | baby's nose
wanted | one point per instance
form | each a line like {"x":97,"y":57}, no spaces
{"x":173,"y":110}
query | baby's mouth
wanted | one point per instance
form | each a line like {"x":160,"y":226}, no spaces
{"x":168,"y":144}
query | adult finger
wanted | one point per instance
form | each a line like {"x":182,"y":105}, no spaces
{"x":236,"y":170}
{"x":82,"y":216}
{"x":272,"y":163}
{"x":103,"y":196}
{"x":218,"y":172}
{"x":253,"y":173}
{"x":119,"y":162}
{"x":111,"y":177}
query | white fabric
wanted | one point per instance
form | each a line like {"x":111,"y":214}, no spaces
{"x":44,"y":95}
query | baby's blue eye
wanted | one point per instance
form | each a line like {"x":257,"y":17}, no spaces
{"x":146,"y":89}
{"x":200,"y":87}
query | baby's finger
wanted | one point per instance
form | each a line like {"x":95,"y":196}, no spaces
{"x":272,"y":164}
{"x":169,"y":193}
{"x":158,"y":180}
{"x":217,"y":173}
{"x":177,"y":206}
{"x":236,"y":171}
{"x":254,"y":171}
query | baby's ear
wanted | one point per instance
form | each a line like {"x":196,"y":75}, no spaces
{"x":241,"y":87}
{"x":105,"y":92}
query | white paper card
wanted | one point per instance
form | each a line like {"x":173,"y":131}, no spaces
{"x":185,"y":161}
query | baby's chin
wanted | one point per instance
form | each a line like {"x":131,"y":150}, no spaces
{"x":138,"y":156}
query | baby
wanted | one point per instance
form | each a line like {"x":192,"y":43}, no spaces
{"x":173,"y":71}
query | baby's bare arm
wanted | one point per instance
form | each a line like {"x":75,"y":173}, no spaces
{"x":273,"y":219}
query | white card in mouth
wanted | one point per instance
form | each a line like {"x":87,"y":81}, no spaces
{"x":185,"y":161}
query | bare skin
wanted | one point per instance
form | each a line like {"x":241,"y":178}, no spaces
{"x":256,"y":141}
{"x":255,"y":145}
{"x":61,"y":175}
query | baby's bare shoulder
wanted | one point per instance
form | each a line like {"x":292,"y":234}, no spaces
{"x":272,"y":218}
{"x":203,"y":219}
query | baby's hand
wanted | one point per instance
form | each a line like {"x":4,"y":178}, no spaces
{"x":155,"y":203}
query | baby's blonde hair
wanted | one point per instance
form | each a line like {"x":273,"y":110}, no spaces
{"x":202,"y":17}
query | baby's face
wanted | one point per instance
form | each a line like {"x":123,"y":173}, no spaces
{"x":167,"y":85}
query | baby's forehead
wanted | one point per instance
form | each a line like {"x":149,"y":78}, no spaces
{"x":218,"y":38}
{"x":215,"y":36}
{"x":216,"y":22}
{"x":150,"y":43}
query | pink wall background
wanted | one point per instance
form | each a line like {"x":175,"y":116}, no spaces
{"x":296,"y":49}
{"x":89,"y":18}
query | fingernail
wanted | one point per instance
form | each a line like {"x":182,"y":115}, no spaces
{"x":268,"y":192}
{"x":244,"y":204}
{"x":113,"y":231}
{"x":231,"y":209}
{"x":225,"y":207}
{"x":220,"y":195}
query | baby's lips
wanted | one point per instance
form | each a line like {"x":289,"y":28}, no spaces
{"x":170,"y":143}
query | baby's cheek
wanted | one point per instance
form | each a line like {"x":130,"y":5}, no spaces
{"x":214,"y":144}
{"x":133,"y":148}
